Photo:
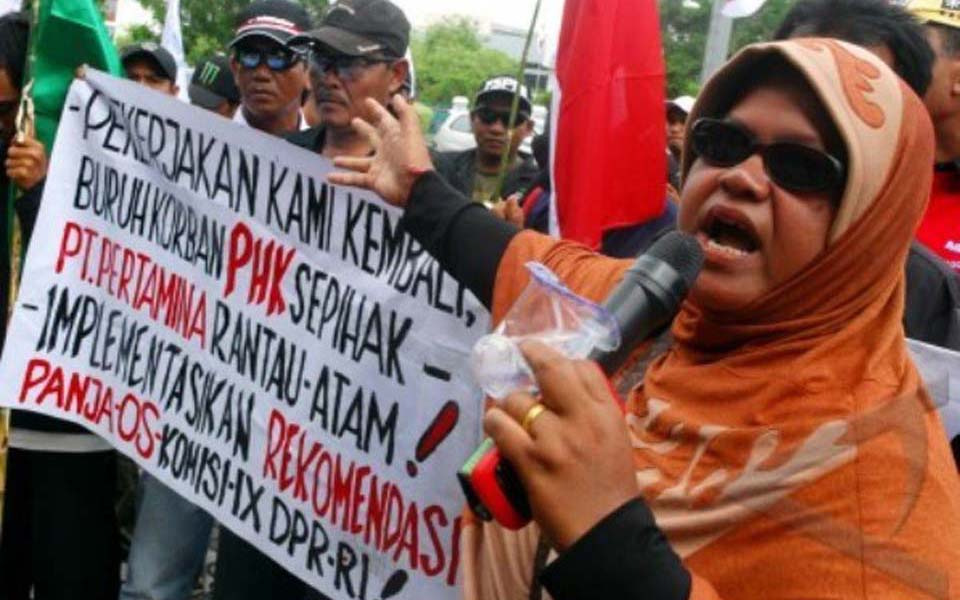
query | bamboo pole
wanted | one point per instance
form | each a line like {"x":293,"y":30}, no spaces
{"x":515,"y":107}
{"x":25,"y":120}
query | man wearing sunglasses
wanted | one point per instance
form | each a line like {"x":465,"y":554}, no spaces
{"x":356,"y":53}
{"x":271,"y":76}
{"x":474,"y":172}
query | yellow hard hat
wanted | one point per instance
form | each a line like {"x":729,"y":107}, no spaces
{"x":944,"y":12}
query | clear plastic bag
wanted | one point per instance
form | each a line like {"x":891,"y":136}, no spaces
{"x":548,"y":312}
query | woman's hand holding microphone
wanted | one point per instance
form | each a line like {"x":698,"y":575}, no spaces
{"x":570,"y":447}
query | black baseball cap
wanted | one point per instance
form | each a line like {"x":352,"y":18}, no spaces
{"x":278,"y":20}
{"x":212,"y":83}
{"x":361,"y":28}
{"x":505,"y":86}
{"x":156,"y":54}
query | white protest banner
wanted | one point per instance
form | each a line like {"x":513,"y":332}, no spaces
{"x":272,"y":347}
{"x":940,"y":370}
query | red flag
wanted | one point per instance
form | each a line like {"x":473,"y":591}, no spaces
{"x":609,"y":161}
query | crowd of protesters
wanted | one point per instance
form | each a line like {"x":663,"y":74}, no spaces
{"x":830,"y":237}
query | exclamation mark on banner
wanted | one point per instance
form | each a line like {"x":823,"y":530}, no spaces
{"x":394,"y":585}
{"x":439,"y":429}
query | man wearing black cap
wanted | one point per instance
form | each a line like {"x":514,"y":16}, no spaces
{"x":212,"y":86}
{"x":271,"y":77}
{"x":356,"y":53}
{"x":170,"y":535}
{"x":151,"y":65}
{"x":474,"y":172}
{"x":148,"y":570}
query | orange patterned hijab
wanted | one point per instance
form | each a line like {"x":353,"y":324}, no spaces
{"x":788,"y":449}
{"x":818,"y":441}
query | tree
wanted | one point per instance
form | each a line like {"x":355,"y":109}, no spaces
{"x":137,"y":34}
{"x":208,"y":24}
{"x":451,"y":61}
{"x":761,"y":26}
{"x":684,"y":30}
{"x":543,"y":98}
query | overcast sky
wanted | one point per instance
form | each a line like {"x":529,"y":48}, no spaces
{"x":504,"y":12}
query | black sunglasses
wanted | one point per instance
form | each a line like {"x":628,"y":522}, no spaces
{"x":277,"y":59}
{"x":792,"y":166}
{"x":345,"y":67}
{"x":489,"y":116}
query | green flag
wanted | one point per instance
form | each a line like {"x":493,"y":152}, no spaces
{"x":64,"y":35}
{"x":67,"y":34}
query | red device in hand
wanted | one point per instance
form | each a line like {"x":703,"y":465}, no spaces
{"x":493,"y":489}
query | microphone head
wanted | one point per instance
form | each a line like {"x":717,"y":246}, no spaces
{"x":681,"y":251}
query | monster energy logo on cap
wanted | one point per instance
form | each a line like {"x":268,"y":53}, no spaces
{"x":212,"y":83}
{"x":208,"y":73}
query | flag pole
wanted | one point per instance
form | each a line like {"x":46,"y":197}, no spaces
{"x":718,"y":42}
{"x":24,"y":126}
{"x":15,"y":239}
{"x":505,"y":155}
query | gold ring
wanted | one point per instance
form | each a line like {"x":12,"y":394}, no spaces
{"x":535,"y":411}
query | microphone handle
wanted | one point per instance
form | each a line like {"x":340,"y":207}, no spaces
{"x":642,"y":304}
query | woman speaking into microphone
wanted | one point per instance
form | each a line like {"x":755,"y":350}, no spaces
{"x":784,"y":446}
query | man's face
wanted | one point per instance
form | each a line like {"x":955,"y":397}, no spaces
{"x":9,"y":100}
{"x":146,"y":72}
{"x":341,"y":84}
{"x":940,"y":96}
{"x":676,"y":122}
{"x":265,"y":92}
{"x":489,"y":121}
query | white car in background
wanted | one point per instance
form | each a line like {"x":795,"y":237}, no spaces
{"x":455,"y":134}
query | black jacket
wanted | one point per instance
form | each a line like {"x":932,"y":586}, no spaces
{"x":458,"y":169}
{"x":310,"y":139}
{"x":932,"y":312}
{"x":624,"y":556}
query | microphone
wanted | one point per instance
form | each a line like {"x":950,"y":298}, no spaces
{"x":650,"y":294}
{"x":643,"y":304}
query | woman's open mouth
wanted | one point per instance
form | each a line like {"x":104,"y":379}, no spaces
{"x":728,"y":232}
